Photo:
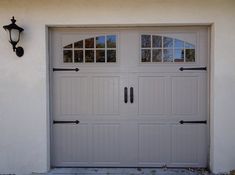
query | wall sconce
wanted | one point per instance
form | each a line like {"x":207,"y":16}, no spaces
{"x":14,"y":35}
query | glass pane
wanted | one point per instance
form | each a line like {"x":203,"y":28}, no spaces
{"x":89,"y":56}
{"x":100,"y":42}
{"x":111,"y":55}
{"x":156,"y":41}
{"x":167,"y":42}
{"x":189,"y":46}
{"x":78,"y":56}
{"x":68,"y":56}
{"x":179,"y":55}
{"x":68,"y":46}
{"x":78,"y":44}
{"x":145,"y":55}
{"x":100,"y":56}
{"x":190,"y":55}
{"x":168,"y":55}
{"x":179,"y":43}
{"x":157,"y":55}
{"x":89,"y":43}
{"x":111,"y":41}
{"x":145,"y":41}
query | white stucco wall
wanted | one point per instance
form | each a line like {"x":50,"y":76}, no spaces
{"x":23,"y":81}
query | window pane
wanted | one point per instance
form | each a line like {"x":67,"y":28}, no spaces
{"x":89,"y":43}
{"x":89,"y":56}
{"x":167,"y":42}
{"x":100,"y":56}
{"x":168,"y":55}
{"x":156,"y":41}
{"x":157,"y":55}
{"x":111,"y":56}
{"x":189,"y":46}
{"x":190,"y":55}
{"x":68,"y":46}
{"x":100,"y":42}
{"x":179,"y":55}
{"x":145,"y":41}
{"x":78,"y":44}
{"x":68,"y":56}
{"x":78,"y":56}
{"x":179,"y":43}
{"x":145,"y":55}
{"x":111,"y":41}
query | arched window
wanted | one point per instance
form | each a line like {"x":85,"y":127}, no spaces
{"x":156,"y":48}
{"x":98,"y":49}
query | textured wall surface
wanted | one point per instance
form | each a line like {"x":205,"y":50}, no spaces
{"x":24,"y":112}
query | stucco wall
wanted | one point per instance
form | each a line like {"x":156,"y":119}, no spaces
{"x":24,"y":81}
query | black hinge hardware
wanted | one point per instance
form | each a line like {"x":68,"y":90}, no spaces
{"x":65,"y":122}
{"x":193,"y":122}
{"x":65,"y":69}
{"x":192,"y":68}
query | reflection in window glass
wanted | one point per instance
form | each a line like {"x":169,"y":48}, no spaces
{"x":78,"y":44}
{"x":145,"y":55}
{"x":179,"y":43}
{"x":97,"y":49}
{"x":189,"y":46}
{"x":68,"y":56}
{"x":179,"y":55}
{"x":68,"y":46}
{"x":168,"y":55}
{"x":111,"y":56}
{"x":111,"y":41}
{"x":89,"y":43}
{"x":156,"y":41}
{"x":157,"y":55}
{"x":78,"y":56}
{"x":100,"y":42}
{"x":145,"y":41}
{"x":167,"y":42}
{"x":89,"y":56}
{"x":100,"y":56}
{"x":190,"y":55}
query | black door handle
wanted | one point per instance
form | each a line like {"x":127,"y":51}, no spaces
{"x":132,"y":95}
{"x":125,"y":95}
{"x":65,"y":122}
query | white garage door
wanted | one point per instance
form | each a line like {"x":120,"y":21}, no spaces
{"x":129,"y":97}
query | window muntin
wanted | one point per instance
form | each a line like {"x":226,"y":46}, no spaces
{"x":163,"y":49}
{"x":97,"y":49}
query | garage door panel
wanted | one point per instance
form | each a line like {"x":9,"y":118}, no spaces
{"x":73,"y":95}
{"x":187,"y":144}
{"x":70,"y":144}
{"x":106,"y":95}
{"x":105,"y":145}
{"x":152,"y":95}
{"x":154,"y":143}
{"x":185,"y":95}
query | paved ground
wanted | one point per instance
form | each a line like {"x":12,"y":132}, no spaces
{"x":127,"y":171}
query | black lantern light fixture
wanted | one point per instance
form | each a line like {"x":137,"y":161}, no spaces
{"x":14,"y":32}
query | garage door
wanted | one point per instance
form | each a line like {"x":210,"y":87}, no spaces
{"x":129,"y":97}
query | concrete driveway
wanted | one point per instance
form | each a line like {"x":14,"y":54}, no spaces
{"x":127,"y":171}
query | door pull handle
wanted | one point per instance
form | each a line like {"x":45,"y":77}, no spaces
{"x":125,"y":95}
{"x":132,"y":95}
